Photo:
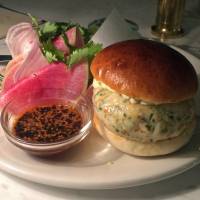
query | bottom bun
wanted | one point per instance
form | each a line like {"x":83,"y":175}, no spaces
{"x":136,"y":148}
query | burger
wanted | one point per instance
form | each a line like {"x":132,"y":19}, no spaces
{"x":143,"y":97}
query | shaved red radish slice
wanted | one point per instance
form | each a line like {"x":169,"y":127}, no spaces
{"x":74,"y":37}
{"x":55,"y":76}
{"x":77,"y":80}
{"x":59,"y":43}
{"x":11,"y":68}
{"x":23,"y":40}
{"x":20,"y":38}
{"x":30,"y":71}
{"x":13,"y":62}
{"x":33,"y":62}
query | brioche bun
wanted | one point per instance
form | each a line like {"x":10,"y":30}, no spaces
{"x":146,"y":70}
{"x":152,"y":74}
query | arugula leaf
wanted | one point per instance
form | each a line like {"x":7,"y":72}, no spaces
{"x":88,"y":52}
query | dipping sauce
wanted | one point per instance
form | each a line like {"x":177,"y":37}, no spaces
{"x":50,"y":123}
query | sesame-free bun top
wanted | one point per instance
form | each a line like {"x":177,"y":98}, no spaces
{"x":146,"y":70}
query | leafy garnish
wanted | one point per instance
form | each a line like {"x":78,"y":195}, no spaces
{"x":47,"y":31}
{"x":49,"y":28}
{"x":88,"y":52}
{"x":51,"y":53}
{"x":34,"y":20}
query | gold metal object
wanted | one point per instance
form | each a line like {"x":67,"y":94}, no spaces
{"x":169,"y":19}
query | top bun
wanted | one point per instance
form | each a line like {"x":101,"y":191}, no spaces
{"x":146,"y":70}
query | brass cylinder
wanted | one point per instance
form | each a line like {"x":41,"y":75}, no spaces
{"x":169,"y":18}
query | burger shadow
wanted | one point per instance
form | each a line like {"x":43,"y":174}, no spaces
{"x":192,"y":149}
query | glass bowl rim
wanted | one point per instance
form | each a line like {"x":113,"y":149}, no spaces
{"x":80,"y":134}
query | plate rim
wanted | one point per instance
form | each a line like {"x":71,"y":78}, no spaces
{"x":6,"y":167}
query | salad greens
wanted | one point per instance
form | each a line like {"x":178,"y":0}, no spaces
{"x":47,"y":31}
{"x":86,"y":52}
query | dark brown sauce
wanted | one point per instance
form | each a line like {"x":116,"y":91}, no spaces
{"x":51,"y":123}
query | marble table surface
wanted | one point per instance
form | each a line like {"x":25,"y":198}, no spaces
{"x":185,"y":186}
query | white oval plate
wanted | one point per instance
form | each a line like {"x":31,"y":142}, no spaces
{"x":94,"y":164}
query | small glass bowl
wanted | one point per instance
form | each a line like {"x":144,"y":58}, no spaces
{"x":8,"y":116}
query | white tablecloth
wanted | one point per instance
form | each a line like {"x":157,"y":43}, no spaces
{"x":182,"y":187}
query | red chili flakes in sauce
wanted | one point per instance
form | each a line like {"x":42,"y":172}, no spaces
{"x":51,"y":123}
